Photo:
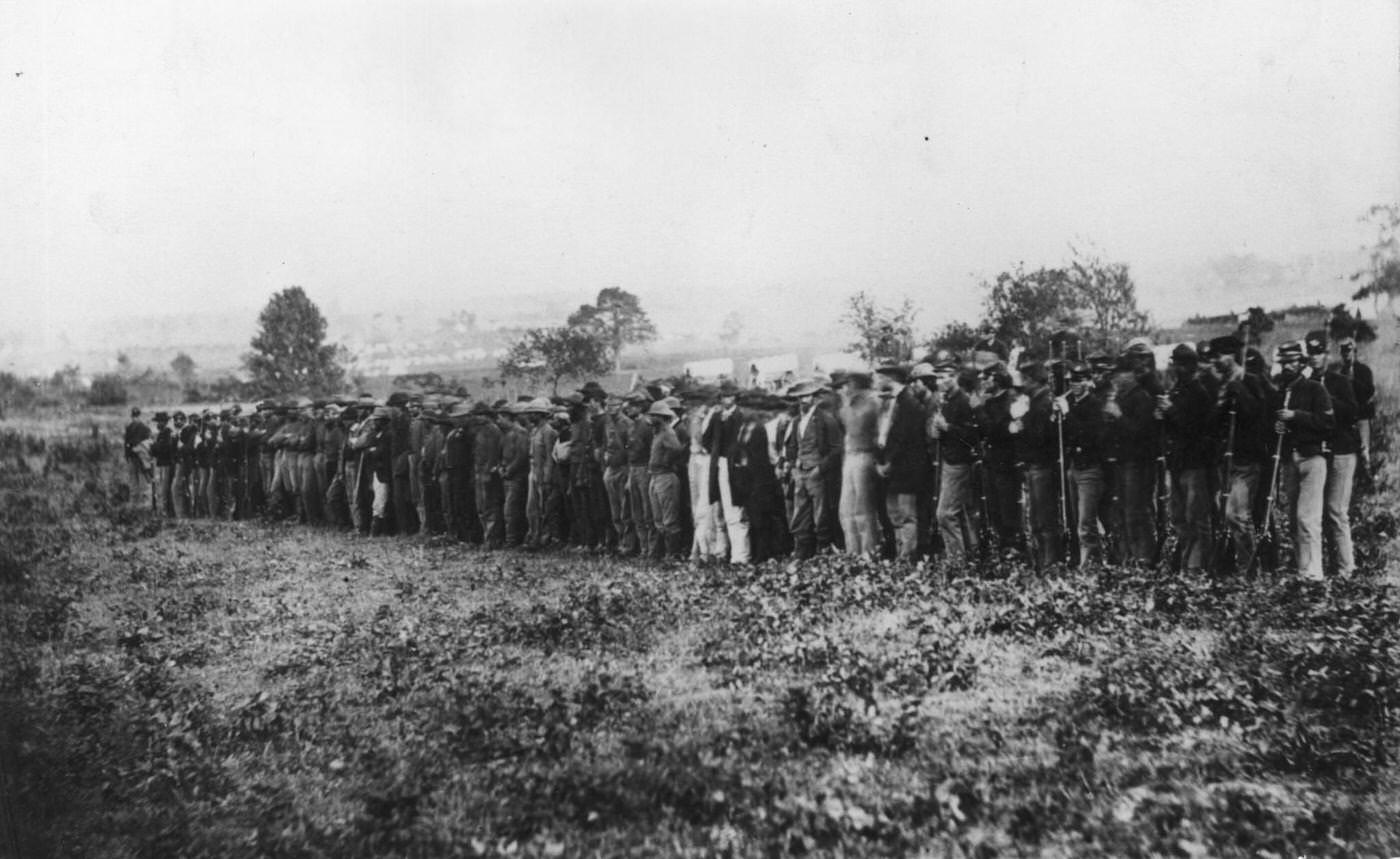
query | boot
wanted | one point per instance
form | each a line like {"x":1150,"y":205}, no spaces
{"x":377,"y":527}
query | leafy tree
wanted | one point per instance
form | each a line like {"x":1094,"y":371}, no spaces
{"x":183,"y":365}
{"x":1106,"y":294}
{"x":955,"y":336}
{"x":1025,"y":308}
{"x":553,"y":354}
{"x":882,"y":333}
{"x":1381,"y":278}
{"x":107,"y":390}
{"x":1254,"y":325}
{"x":65,"y":379}
{"x":618,"y":318}
{"x":289,"y":353}
{"x":1341,"y":323}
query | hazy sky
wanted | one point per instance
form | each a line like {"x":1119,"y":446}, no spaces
{"x":178,"y":156}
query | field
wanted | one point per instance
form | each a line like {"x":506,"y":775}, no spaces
{"x":240,"y":689}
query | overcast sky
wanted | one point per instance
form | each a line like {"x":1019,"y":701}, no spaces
{"x":179,"y":156}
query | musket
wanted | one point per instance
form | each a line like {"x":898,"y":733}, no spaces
{"x":1223,"y":496}
{"x":1066,"y":536}
{"x":1266,"y":531}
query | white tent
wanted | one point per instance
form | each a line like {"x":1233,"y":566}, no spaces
{"x":770,"y":369}
{"x":709,"y":371}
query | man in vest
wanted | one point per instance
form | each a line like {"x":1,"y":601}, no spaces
{"x":814,"y":452}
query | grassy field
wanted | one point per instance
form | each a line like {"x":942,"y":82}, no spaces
{"x":231,"y":689}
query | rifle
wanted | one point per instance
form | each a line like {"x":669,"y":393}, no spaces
{"x":1266,"y":532}
{"x":1067,"y":537}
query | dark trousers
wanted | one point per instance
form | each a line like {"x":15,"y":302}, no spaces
{"x":1136,"y":482}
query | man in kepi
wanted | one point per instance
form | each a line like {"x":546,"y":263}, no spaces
{"x":138,"y":467}
{"x":1304,"y":417}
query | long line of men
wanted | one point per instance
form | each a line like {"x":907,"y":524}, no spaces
{"x":1068,"y":460}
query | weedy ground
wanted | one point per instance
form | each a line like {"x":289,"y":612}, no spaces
{"x":239,"y":689}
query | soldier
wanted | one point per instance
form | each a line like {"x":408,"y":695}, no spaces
{"x":1036,"y":442}
{"x":720,"y":442}
{"x":860,"y":413}
{"x":515,"y":475}
{"x":1001,"y":482}
{"x":1133,"y":437}
{"x":134,"y":438}
{"x":1343,"y":446}
{"x":231,"y":449}
{"x":1363,"y":385}
{"x":417,"y":428}
{"x":359,"y":491}
{"x":954,"y":426}
{"x":163,"y":455}
{"x":432,"y":436}
{"x":1305,"y":418}
{"x":663,"y":464}
{"x":454,"y":480}
{"x":207,"y":464}
{"x":616,"y":428}
{"x":374,"y":440}
{"x":556,"y":503}
{"x":1243,"y":421}
{"x":1188,"y":415}
{"x":1086,"y":443}
{"x":185,"y":433}
{"x":402,"y":501}
{"x":638,"y":453}
{"x":332,"y":449}
{"x":542,"y":465}
{"x":754,"y":478}
{"x":487,"y":491}
{"x":303,"y":449}
{"x":254,"y":436}
{"x":902,"y":457}
{"x":814,"y":452}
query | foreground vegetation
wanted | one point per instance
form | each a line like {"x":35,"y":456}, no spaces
{"x":228,"y":689}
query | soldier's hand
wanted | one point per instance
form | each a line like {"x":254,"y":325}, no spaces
{"x":940,"y":423}
{"x":1279,"y":427}
{"x":1112,"y":410}
{"x":1286,"y":415}
{"x":883,"y":469}
{"x":1014,"y":428}
{"x":1061,"y":405}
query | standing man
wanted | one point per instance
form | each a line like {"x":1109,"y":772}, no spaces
{"x":860,"y":413}
{"x":138,"y":470}
{"x":1343,"y":447}
{"x":617,"y":427}
{"x":1243,"y":421}
{"x":1363,"y":385}
{"x":486,"y":438}
{"x":902,"y":460}
{"x":1001,"y":482}
{"x":1133,"y":435}
{"x":542,"y":465}
{"x":955,"y":427}
{"x":666,"y":451}
{"x":1304,"y":415}
{"x":720,"y":443}
{"x":163,"y":455}
{"x":1036,"y":441}
{"x":1187,"y":413}
{"x":814,"y":452}
{"x":185,"y":433}
{"x":1085,"y":445}
{"x":709,"y":541}
{"x":638,"y":479}
{"x":515,"y":474}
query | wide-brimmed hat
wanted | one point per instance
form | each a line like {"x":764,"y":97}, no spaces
{"x":381,"y":413}
{"x":805,"y":388}
{"x":922,"y":370}
{"x":1226,"y":345}
{"x":397,"y":398}
{"x":898,"y":372}
{"x":727,"y":388}
{"x":660,"y":409}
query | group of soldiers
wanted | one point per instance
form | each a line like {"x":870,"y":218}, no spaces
{"x":1212,"y":463}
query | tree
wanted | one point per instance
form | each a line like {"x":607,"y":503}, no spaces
{"x":956,"y":337}
{"x":1253,"y":325}
{"x":553,"y":354}
{"x":1025,"y":308}
{"x":289,"y":353}
{"x":618,"y":318}
{"x":1108,"y":297}
{"x":1341,"y":323}
{"x":183,"y":366}
{"x":107,"y":390}
{"x":882,"y":333}
{"x":1381,"y":277}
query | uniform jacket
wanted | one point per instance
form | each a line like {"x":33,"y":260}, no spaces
{"x":957,"y":444}
{"x":1311,"y":428}
{"x":905,"y":448}
{"x":1189,"y":424}
{"x":994,"y":420}
{"x":1038,"y":441}
{"x":515,"y":453}
{"x":1086,"y":431}
{"x":1346,"y":438}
